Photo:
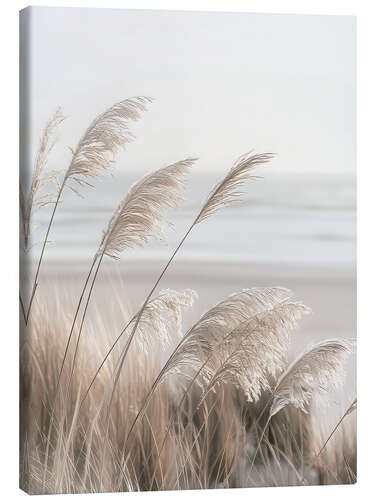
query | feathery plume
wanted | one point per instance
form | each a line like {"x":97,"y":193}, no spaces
{"x":352,"y":407}
{"x":109,"y":131}
{"x":161,"y":321}
{"x":314,"y":371}
{"x":138,"y":216}
{"x":153,"y":325}
{"x":256,"y":350}
{"x":203,"y":339}
{"x":94,"y":156}
{"x":39,"y":179}
{"x":227,"y":192}
{"x":190,"y":357}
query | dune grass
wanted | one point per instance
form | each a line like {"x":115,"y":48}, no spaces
{"x":162,"y":405}
{"x":206,"y":444}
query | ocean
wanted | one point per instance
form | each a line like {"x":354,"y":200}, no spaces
{"x":293,"y":218}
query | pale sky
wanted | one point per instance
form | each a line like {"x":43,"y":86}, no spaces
{"x":223,"y":84}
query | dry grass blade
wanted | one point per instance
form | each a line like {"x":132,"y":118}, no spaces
{"x":352,"y":407}
{"x":39,"y":179}
{"x":109,"y":131}
{"x":314,"y":371}
{"x":227,"y":192}
{"x":138,"y":216}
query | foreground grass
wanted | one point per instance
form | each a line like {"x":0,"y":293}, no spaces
{"x":208,"y":446}
{"x":154,"y":408}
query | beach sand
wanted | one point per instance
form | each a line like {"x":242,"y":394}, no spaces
{"x":330,"y":292}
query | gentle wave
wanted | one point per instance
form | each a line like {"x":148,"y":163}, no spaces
{"x":311,"y":219}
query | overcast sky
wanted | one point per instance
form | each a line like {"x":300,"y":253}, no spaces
{"x":223,"y":83}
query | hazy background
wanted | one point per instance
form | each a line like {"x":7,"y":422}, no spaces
{"x":223,"y":84}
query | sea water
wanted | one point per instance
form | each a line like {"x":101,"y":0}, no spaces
{"x":292,"y":218}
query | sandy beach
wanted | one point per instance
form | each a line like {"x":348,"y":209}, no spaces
{"x":122,"y":286}
{"x":330,"y":292}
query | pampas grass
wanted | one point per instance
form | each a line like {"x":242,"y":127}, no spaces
{"x":316,"y":370}
{"x":35,"y":200}
{"x":169,"y":300}
{"x":187,"y":410}
{"x":210,"y":449}
{"x":239,"y":342}
{"x":92,"y":157}
{"x":256,"y":350}
{"x":138,"y":218}
{"x":225,"y":193}
{"x":95,"y":151}
{"x":139,"y":215}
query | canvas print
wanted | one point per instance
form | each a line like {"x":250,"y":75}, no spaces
{"x":187,"y":250}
